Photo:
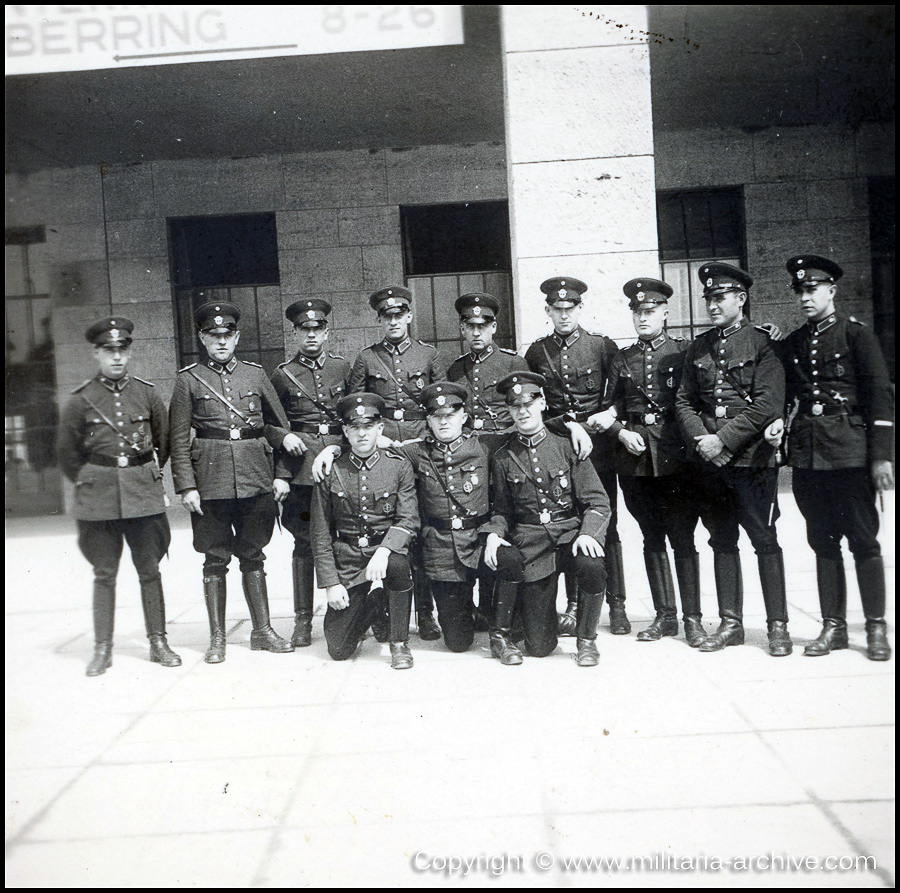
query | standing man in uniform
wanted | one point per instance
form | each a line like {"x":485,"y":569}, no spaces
{"x":840,"y":446}
{"x":363,"y":519}
{"x":731,"y":390}
{"x":651,"y":460}
{"x":113,"y":443}
{"x":308,"y":386}
{"x":549,"y":514}
{"x":575,"y":364}
{"x":225,"y":476}
{"x":398,"y":368}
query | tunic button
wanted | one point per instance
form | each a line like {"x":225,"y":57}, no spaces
{"x":815,"y":352}
{"x":234,"y":426}
{"x":815,"y":341}
{"x":227,"y":390}
{"x":817,"y":392}
{"x":540,"y":480}
{"x":120,"y":424}
{"x":117,"y":403}
{"x":118,"y":413}
{"x":718,"y":390}
{"x":543,"y":500}
{"x":815,"y":371}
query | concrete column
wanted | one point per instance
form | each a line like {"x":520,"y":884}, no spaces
{"x":579,"y":142}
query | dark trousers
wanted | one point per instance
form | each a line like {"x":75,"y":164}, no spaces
{"x":345,"y":628}
{"x":455,"y":612}
{"x":663,"y":507}
{"x":295,"y":514}
{"x":148,"y":538}
{"x":238,"y":527}
{"x":838,"y":504}
{"x":608,"y":478}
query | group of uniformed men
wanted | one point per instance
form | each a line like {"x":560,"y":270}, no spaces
{"x":403,"y":483}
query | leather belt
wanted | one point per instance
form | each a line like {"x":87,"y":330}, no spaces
{"x":648,"y":418}
{"x":406,"y":415}
{"x":363,"y":541}
{"x":120,"y":461}
{"x":579,"y":416}
{"x":489,"y":426}
{"x":544,"y":517}
{"x":817,"y":409}
{"x":313,"y":428}
{"x":457,"y":523}
{"x":232,"y":434}
{"x":725,"y":412}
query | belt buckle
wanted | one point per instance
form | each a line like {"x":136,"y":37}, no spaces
{"x":398,"y":415}
{"x":650,"y":418}
{"x":363,"y":542}
{"x":478,"y":423}
{"x":456,"y":523}
{"x":544,"y":517}
{"x":323,"y":427}
{"x":720,"y":412}
{"x":817,"y":409}
{"x":122,"y":461}
{"x":234,"y":434}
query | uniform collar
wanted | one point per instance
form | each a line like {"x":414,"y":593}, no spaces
{"x":655,"y":344}
{"x":534,"y":439}
{"x":481,"y":357}
{"x":311,"y":363}
{"x":724,"y":333}
{"x":451,"y":447}
{"x":365,"y":463}
{"x":117,"y":385}
{"x":823,"y":324}
{"x":396,"y":348}
{"x":218,"y":367}
{"x":569,"y":340}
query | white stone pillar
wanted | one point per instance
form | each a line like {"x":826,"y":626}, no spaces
{"x":579,"y":148}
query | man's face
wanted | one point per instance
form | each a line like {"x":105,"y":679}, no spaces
{"x":220,"y":345}
{"x":565,"y":319}
{"x":395,"y":325}
{"x":447,"y":424}
{"x":311,"y":340}
{"x":528,"y":417}
{"x":363,"y":436}
{"x":477,"y":335}
{"x":726,"y":308}
{"x":650,"y":321}
{"x":816,"y":299}
{"x":113,"y":361}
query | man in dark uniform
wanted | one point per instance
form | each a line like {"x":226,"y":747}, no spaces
{"x":840,"y":446}
{"x":575,"y":364}
{"x":364,"y":517}
{"x":398,"y":368}
{"x":225,"y":476}
{"x":549,"y":514}
{"x":731,"y":390}
{"x":651,"y":460}
{"x":113,"y":443}
{"x":308,"y":386}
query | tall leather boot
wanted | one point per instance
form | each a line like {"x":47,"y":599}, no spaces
{"x":502,"y":646}
{"x":567,"y":621}
{"x":429,"y":631}
{"x":688,"y":572}
{"x":263,"y":637}
{"x":730,"y":591}
{"x":154,"y":607}
{"x":615,"y":589}
{"x":302,"y":573}
{"x":398,"y":609}
{"x":662,"y":590}
{"x":214,"y":596}
{"x":771,"y":576}
{"x":590,"y":604}
{"x":485,"y":610}
{"x":104,"y":618}
{"x":833,"y":601}
{"x":870,"y":574}
{"x":381,"y":628}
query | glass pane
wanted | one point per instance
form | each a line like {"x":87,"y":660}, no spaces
{"x":670,"y":224}
{"x":423,"y":313}
{"x":469,"y":282}
{"x":726,"y":223}
{"x":15,"y":270}
{"x":677,"y":275}
{"x":245,"y":298}
{"x":697,"y":224}
{"x":18,"y":331}
{"x":446,"y":291}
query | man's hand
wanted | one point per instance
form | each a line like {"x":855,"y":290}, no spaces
{"x":494,"y":542}
{"x":383,"y":442}
{"x":633,"y":442}
{"x":774,"y":333}
{"x":775,"y":433}
{"x":882,"y":476}
{"x":601,"y":421}
{"x":321,"y":466}
{"x":723,"y":458}
{"x":709,"y":446}
{"x":190,"y":499}
{"x":581,"y":440}
{"x":293,"y":445}
{"x":281,"y":488}
{"x":377,"y":566}
{"x":338,"y":597}
{"x":587,"y":545}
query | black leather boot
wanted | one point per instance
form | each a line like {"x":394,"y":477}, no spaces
{"x":877,"y":645}
{"x":429,"y":631}
{"x":263,"y":637}
{"x":381,"y":628}
{"x":104,"y":617}
{"x":302,"y":572}
{"x":502,"y":646}
{"x":566,"y":622}
{"x":398,"y":609}
{"x":485,"y":610}
{"x":730,"y":591}
{"x":662,"y":590}
{"x":590,"y":604}
{"x":833,"y":602}
{"x":154,"y":607}
{"x":214,"y":596}
{"x":870,"y":575}
{"x":688,"y":572}
{"x":615,"y":591}
{"x":771,"y":576}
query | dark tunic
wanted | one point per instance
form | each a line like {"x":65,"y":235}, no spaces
{"x":479,"y":375}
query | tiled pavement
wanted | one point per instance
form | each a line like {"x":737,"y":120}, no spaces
{"x":293,"y":770}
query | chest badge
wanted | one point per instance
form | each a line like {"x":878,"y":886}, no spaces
{"x":467,"y":486}
{"x":670,"y":382}
{"x":474,"y":480}
{"x":420,"y":383}
{"x":590,"y":383}
{"x":839,"y":369}
{"x":252,"y":405}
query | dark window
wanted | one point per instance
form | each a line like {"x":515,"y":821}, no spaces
{"x":882,"y":232}
{"x":228,"y":259}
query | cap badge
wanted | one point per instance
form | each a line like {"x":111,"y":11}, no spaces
{"x":562,"y":294}
{"x":709,"y":282}
{"x":114,"y":333}
{"x":640,"y":296}
{"x":311,"y":314}
{"x":801,"y":274}
{"x":517,"y":389}
{"x":441,"y":400}
{"x":360,"y":410}
{"x":218,"y":320}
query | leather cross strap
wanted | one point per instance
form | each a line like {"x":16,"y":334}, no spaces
{"x":219,"y":396}
{"x":396,"y":380}
{"x":326,"y":410}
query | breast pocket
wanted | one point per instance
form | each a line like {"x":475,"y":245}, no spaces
{"x":206,"y":407}
{"x":668,"y":376}
{"x":704,"y":373}
{"x":418,"y":379}
{"x":836,"y":365}
{"x":387,"y":503}
{"x":336,"y":391}
{"x":141,"y":433}
{"x":742,"y":371}
{"x":589,"y":379}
